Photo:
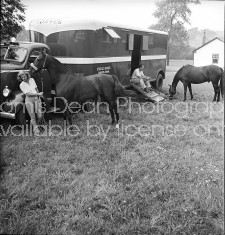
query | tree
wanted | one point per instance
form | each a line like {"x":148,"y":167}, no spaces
{"x":23,"y":35}
{"x":12,"y":15}
{"x":172,"y":15}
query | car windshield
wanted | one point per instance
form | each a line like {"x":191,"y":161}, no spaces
{"x":3,"y":52}
{"x":17,"y":54}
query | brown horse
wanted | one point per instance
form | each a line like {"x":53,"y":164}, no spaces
{"x":80,"y":89}
{"x":189,"y":74}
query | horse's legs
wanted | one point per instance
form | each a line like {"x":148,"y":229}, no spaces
{"x":218,"y":95}
{"x":112,"y":113}
{"x":185,"y":90}
{"x":65,"y":117}
{"x":190,"y":90}
{"x":97,"y":99}
{"x":65,"y":111}
{"x":69,"y":117}
{"x":112,"y":105}
{"x":216,"y":92}
{"x":117,"y":114}
{"x":112,"y":110}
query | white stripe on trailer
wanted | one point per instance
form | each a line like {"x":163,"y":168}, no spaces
{"x":73,"y":60}
{"x":153,"y":57}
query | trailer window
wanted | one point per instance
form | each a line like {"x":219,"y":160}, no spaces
{"x":124,"y":38}
{"x":144,"y":43}
{"x":80,"y":36}
{"x":215,"y":58}
{"x":131,"y":42}
{"x":53,"y":38}
{"x":106,"y":37}
{"x":37,"y":37}
{"x":108,"y":34}
{"x":150,"y":39}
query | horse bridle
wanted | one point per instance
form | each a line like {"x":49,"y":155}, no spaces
{"x":43,"y":66}
{"x":41,"y":69}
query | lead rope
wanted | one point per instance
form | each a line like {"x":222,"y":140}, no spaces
{"x":42,"y":121}
{"x":42,"y":86}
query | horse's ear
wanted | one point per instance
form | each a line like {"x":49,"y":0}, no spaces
{"x":43,"y":51}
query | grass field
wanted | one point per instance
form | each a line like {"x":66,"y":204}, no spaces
{"x":162,"y":172}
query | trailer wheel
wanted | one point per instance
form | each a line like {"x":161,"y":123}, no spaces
{"x":21,"y":118}
{"x":159,"y":82}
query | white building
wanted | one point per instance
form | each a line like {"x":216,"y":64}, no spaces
{"x":211,"y":52}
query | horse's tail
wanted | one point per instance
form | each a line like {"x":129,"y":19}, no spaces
{"x":120,"y":90}
{"x":221,"y":82}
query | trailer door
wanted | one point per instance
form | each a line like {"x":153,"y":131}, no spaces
{"x":136,"y":52}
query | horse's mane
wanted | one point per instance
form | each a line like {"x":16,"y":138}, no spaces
{"x":60,"y":66}
{"x":180,"y":69}
{"x":177,"y":75}
{"x":69,"y":78}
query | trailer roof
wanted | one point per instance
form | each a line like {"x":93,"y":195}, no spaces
{"x":48,"y":26}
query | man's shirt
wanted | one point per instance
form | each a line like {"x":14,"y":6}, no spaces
{"x":137,"y":74}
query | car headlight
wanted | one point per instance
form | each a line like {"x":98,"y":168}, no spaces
{"x":6,"y":91}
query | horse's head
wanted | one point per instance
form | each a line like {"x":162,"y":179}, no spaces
{"x":172,"y":91}
{"x":40,"y":63}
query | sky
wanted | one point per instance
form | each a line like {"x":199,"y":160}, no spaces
{"x":136,"y":13}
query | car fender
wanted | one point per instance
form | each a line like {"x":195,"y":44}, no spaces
{"x":14,"y":102}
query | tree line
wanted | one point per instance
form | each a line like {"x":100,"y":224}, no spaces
{"x":172,"y":15}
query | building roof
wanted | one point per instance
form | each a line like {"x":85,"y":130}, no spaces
{"x":207,"y":43}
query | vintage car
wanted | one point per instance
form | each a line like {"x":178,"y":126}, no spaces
{"x":18,"y":57}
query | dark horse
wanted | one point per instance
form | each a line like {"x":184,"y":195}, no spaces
{"x":80,"y":88}
{"x":189,"y":74}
